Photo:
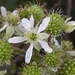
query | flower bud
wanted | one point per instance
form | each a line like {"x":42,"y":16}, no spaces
{"x":24,"y":13}
{"x":56,"y":24}
{"x":37,"y":12}
{"x":67,"y":45}
{"x":53,"y":59}
{"x":31,"y":70}
{"x":5,"y":52}
{"x":68,"y":68}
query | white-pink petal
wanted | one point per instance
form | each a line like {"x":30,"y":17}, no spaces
{"x":45,"y":46}
{"x":29,"y":54}
{"x":18,"y":39}
{"x":32,"y":21}
{"x":44,"y":24}
{"x":3,"y":11}
{"x":26,"y":24}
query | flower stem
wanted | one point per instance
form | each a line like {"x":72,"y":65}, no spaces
{"x":19,"y":51}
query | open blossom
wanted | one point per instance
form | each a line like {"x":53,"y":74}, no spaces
{"x":3,"y":13}
{"x":34,"y":36}
{"x":69,"y":25}
{"x":9,"y":20}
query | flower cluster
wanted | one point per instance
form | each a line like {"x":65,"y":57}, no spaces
{"x":5,"y":52}
{"x":68,"y":68}
{"x":41,"y":33}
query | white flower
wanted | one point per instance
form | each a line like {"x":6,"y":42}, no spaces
{"x":69,"y":26}
{"x":10,"y":28}
{"x":34,"y":36}
{"x":3,"y":13}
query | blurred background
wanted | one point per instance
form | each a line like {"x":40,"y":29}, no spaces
{"x":67,"y":6}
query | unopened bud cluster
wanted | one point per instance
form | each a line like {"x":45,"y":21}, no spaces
{"x":56,"y":24}
{"x":67,"y":45}
{"x":53,"y":59}
{"x":34,"y":10}
{"x":31,"y":70}
{"x":24,"y":13}
{"x":5,"y":52}
{"x":68,"y":68}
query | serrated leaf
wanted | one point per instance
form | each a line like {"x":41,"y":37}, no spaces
{"x":3,"y":72}
{"x":9,"y":32}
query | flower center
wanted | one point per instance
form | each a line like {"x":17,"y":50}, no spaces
{"x":33,"y":36}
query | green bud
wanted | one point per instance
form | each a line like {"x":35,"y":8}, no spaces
{"x":31,"y":70}
{"x":56,"y":24}
{"x":53,"y":59}
{"x":68,"y":68}
{"x":5,"y":52}
{"x":67,"y":45}
{"x":24,"y":13}
{"x":37,"y":12}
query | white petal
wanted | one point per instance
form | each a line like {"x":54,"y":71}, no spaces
{"x":3,"y":11}
{"x":21,"y":28}
{"x":32,"y":21}
{"x":44,"y":24}
{"x":15,"y":12}
{"x":56,"y":43}
{"x":43,"y":36}
{"x":71,"y":23}
{"x":72,"y":53}
{"x":3,"y":72}
{"x":54,"y":69}
{"x":67,"y":19}
{"x":18,"y":39}
{"x":3,"y":27}
{"x":69,"y":28}
{"x":29,"y":54}
{"x":26,"y":24}
{"x":45,"y":46}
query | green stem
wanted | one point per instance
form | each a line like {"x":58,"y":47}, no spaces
{"x":36,"y":56}
{"x":19,"y":51}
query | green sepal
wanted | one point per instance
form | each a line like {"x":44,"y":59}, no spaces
{"x":9,"y":32}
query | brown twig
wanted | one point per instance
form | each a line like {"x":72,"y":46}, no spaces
{"x":57,"y":4}
{"x":69,"y":7}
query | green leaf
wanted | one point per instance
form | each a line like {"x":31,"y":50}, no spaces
{"x":9,"y":32}
{"x":3,"y":72}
